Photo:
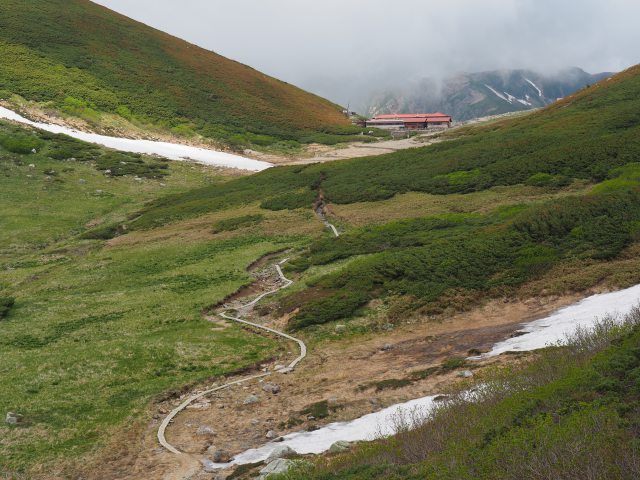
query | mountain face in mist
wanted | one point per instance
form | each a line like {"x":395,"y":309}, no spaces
{"x":473,"y":95}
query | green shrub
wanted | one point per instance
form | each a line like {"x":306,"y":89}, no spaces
{"x":5,"y":305}
{"x":235,"y":223}
{"x":23,"y":144}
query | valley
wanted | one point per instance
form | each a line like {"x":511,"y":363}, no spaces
{"x":203,"y":267}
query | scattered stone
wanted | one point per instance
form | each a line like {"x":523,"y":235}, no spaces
{"x":31,"y":165}
{"x":107,"y":172}
{"x":14,"y":418}
{"x":340,"y":447}
{"x":281,"y":451}
{"x":271,"y":388}
{"x":220,"y":456}
{"x":340,"y":328}
{"x":386,"y":347}
{"x":137,"y":179}
{"x":388,"y":326}
{"x":163,"y":411}
{"x":311,"y":418}
{"x":82,"y":180}
{"x":205,"y":430}
{"x":465,"y":374}
{"x":280,"y":465}
{"x":255,"y":421}
{"x":271,"y":435}
{"x":33,"y":150}
{"x":251,"y":399}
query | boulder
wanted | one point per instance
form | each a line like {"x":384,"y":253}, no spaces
{"x":251,"y":399}
{"x":340,"y":447}
{"x":271,"y":388}
{"x":280,"y":465}
{"x":271,"y":435}
{"x":281,"y":451}
{"x":205,"y":430}
{"x":14,"y":418}
{"x":220,"y":456}
{"x":465,"y":374}
{"x":386,"y":347}
{"x":340,"y":328}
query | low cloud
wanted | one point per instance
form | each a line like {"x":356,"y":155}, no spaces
{"x":345,"y":49}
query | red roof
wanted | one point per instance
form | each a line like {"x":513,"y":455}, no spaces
{"x":437,"y":117}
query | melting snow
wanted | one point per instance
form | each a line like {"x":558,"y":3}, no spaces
{"x":534,"y":86}
{"x":164,"y":149}
{"x":367,"y":427}
{"x":553,"y":329}
{"x":498,"y":94}
{"x":539,"y":334}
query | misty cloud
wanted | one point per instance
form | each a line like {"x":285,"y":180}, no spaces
{"x":344,"y":49}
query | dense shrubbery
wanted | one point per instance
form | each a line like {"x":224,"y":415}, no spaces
{"x":572,"y":413}
{"x":424,"y":259}
{"x":61,"y":147}
{"x":235,"y":223}
{"x":5,"y":305}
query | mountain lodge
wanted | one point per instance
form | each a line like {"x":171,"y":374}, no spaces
{"x":410,"y":121}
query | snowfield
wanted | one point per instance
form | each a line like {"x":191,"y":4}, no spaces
{"x":171,"y":151}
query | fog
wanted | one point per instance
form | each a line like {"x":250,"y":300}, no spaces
{"x":346,"y":49}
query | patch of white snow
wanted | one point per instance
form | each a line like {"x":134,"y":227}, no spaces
{"x":498,"y":94}
{"x":554,"y":328}
{"x":171,"y":151}
{"x":534,"y":86}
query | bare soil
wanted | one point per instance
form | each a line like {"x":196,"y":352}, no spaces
{"x":338,"y":372}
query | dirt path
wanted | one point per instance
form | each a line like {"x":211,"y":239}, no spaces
{"x":190,"y":400}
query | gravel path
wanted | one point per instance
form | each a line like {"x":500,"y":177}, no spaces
{"x":303,"y":353}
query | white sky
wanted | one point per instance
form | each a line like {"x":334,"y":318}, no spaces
{"x":342,"y":49}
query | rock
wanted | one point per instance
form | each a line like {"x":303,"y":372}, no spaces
{"x":465,"y":374}
{"x":255,"y":421}
{"x":205,"y":430}
{"x":251,"y":399}
{"x":280,"y":465}
{"x":14,"y":418}
{"x":340,"y":447}
{"x":271,"y":435}
{"x":279,"y":367}
{"x":388,"y":326}
{"x":271,"y":388}
{"x":31,"y":165}
{"x":209,"y":466}
{"x":386,"y":347}
{"x":33,"y":150}
{"x":340,"y":328}
{"x":82,"y":180}
{"x":107,"y":172}
{"x":281,"y":451}
{"x":220,"y":456}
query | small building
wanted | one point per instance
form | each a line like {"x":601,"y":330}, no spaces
{"x":410,"y":121}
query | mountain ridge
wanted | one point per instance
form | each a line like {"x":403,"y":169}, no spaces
{"x":472,"y":95}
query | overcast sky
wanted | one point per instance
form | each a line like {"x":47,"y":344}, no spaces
{"x":343,"y":49}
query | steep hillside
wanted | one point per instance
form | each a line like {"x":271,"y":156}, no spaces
{"x":475,"y":95}
{"x":84,"y":59}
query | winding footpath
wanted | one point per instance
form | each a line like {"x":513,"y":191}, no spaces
{"x":289,"y":368}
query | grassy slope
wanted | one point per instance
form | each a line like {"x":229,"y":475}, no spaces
{"x":102,"y":61}
{"x":431,"y":265}
{"x":99,"y":330}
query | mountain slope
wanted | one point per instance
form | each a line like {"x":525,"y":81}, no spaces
{"x":475,"y":95}
{"x":430,"y":264}
{"x":86,"y":59}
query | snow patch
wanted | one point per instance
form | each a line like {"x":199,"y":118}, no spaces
{"x":534,"y":86}
{"x":171,"y":151}
{"x":368,"y":427}
{"x":554,"y":328}
{"x":498,"y":94}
